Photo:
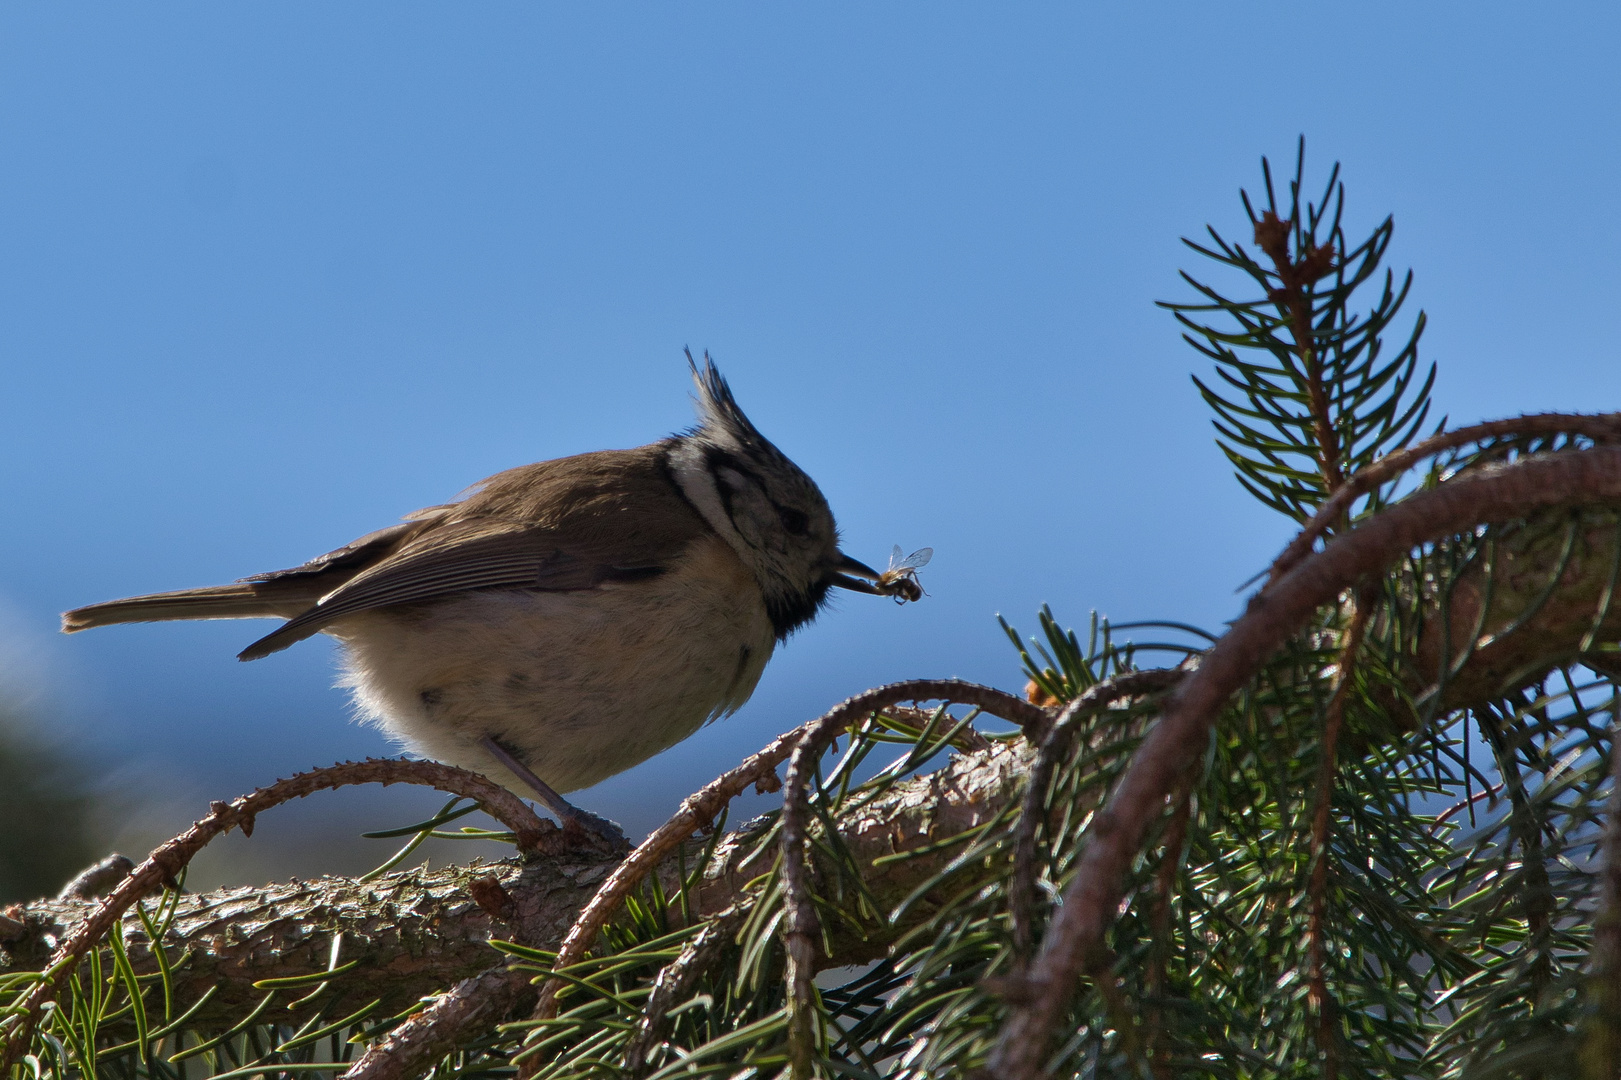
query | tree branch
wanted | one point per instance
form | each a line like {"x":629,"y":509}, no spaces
{"x":799,"y":917}
{"x":1060,"y":736}
{"x":1322,"y":809}
{"x":1530,"y":622}
{"x":1173,"y":745}
{"x":416,"y":932}
{"x":1601,"y":428}
{"x":170,"y":858}
{"x":1294,"y":299}
{"x":699,"y":810}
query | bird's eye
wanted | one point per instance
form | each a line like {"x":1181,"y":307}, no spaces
{"x":794,"y":521}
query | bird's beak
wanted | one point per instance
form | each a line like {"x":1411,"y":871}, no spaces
{"x":846,"y":567}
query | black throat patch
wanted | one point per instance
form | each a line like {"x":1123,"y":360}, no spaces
{"x":789,"y":611}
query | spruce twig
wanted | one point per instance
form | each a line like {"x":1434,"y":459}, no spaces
{"x":1515,"y":491}
{"x":1060,"y":737}
{"x":800,"y":923}
{"x":1319,"y":995}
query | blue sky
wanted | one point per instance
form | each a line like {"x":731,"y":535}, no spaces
{"x":273,"y":275}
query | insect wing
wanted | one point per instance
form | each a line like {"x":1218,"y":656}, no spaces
{"x":917,"y":560}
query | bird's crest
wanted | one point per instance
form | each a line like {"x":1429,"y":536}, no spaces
{"x":720,"y":420}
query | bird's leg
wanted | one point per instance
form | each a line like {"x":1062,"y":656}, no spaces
{"x":573,"y":818}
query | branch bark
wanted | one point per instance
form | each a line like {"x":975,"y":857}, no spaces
{"x":1600,"y":427}
{"x":1517,"y":491}
{"x":168,"y":859}
{"x":1530,"y":622}
{"x":417,"y":932}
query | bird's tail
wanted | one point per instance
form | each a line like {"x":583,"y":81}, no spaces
{"x":246,"y":600}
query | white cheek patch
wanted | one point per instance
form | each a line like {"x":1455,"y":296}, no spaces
{"x":697,"y":483}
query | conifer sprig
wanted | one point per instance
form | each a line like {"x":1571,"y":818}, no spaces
{"x":1304,"y":398}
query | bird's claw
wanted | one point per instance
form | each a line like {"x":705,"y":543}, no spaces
{"x":583,"y":829}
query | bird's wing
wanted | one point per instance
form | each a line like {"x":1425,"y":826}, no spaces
{"x":463,"y":556}
{"x":374,"y":547}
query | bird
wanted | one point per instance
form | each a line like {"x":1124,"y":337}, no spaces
{"x":563,"y":621}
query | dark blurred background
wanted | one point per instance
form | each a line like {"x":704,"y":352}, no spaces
{"x":49,"y":827}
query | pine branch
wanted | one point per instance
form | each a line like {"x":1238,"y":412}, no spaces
{"x":1600,"y":427}
{"x":1303,"y":400}
{"x":699,"y":810}
{"x":1296,"y":277}
{"x":412,"y":934}
{"x":169,"y":859}
{"x":1545,"y":596}
{"x":1501,"y":494}
{"x":801,"y":925}
{"x":1601,"y":1050}
{"x":1321,"y":999}
{"x":1055,"y":745}
{"x":409,"y":933}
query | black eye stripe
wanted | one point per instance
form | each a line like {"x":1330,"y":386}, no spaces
{"x":716,"y":460}
{"x":794,"y":520}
